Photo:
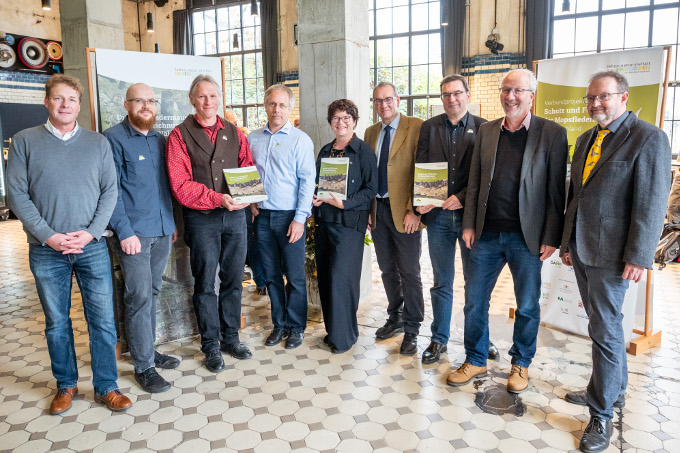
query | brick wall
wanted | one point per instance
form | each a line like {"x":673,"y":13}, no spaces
{"x":22,"y":88}
{"x":484,"y":74}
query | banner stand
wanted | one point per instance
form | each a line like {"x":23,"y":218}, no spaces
{"x":648,"y":338}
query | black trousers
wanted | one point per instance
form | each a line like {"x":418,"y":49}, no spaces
{"x":339,"y":253}
{"x":399,"y":260}
{"x":216,"y":240}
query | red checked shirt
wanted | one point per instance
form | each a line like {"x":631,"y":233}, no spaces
{"x":188,"y":192}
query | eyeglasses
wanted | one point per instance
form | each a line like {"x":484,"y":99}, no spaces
{"x":273,"y":105}
{"x":515,"y":91}
{"x":337,"y":119}
{"x":387,"y":100}
{"x":139,"y":101}
{"x":455,"y":94}
{"x":600,"y":97}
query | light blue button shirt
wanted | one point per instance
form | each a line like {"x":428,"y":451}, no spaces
{"x":285,"y":161}
{"x":394,"y":125}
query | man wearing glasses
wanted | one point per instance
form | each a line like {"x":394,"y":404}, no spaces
{"x":620,"y":178}
{"x":395,"y":226}
{"x":514,"y":212}
{"x":144,"y":227}
{"x":284,"y":157}
{"x":197,"y":152}
{"x":449,"y":137}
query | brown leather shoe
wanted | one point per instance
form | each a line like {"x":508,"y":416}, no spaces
{"x":465,"y":373}
{"x":518,"y":380}
{"x":114,"y":400}
{"x":62,"y":400}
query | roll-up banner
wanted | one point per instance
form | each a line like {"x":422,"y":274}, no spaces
{"x":562,"y":85}
{"x":170,"y":76}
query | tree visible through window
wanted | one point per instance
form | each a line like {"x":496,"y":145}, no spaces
{"x":405,"y":49}
{"x":593,"y":26}
{"x":232,"y":32}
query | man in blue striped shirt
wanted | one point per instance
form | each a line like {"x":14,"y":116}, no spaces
{"x":284,"y":157}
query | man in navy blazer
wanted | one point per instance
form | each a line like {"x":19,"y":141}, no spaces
{"x":620,"y":178}
{"x":450,"y":138}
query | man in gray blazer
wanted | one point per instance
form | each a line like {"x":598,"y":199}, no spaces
{"x":514,"y":213}
{"x":620,"y":178}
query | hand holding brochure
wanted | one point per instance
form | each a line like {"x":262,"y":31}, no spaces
{"x":245,"y":184}
{"x":333,"y":177}
{"x":430,"y":184}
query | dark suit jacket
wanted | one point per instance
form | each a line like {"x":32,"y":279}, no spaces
{"x":400,"y":168}
{"x":542,"y":181}
{"x":433,"y":147}
{"x":618,"y":213}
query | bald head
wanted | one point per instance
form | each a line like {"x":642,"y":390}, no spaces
{"x":139,"y":90}
{"x":230,"y":116}
{"x":140,"y":104}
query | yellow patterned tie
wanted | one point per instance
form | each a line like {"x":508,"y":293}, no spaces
{"x":594,"y":154}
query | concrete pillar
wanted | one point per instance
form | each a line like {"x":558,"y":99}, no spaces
{"x":333,"y":56}
{"x":89,"y":23}
{"x":333,"y":62}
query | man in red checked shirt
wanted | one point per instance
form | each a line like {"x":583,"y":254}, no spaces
{"x":197,"y":152}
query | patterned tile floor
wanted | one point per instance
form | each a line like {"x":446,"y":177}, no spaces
{"x":369,"y":399}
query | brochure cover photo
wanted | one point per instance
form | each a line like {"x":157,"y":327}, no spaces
{"x":245,"y":184}
{"x":430,"y":184}
{"x":333,"y":177}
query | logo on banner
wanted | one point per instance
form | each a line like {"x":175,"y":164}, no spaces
{"x":632,"y":68}
{"x":564,"y":310}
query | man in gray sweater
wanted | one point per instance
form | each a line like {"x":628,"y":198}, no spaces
{"x":61,"y":184}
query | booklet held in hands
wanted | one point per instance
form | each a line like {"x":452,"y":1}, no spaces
{"x":430,"y":184}
{"x":333,"y":177}
{"x":245,"y":184}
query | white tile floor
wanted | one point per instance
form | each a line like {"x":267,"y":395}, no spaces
{"x":369,"y":399}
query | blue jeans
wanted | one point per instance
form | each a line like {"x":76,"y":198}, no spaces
{"x":442,"y":236}
{"x":602,"y":292}
{"x":53,"y":279}
{"x":216,"y":240}
{"x":488,"y":256}
{"x":289,"y":302}
{"x":143,"y":276}
{"x":254,"y":259}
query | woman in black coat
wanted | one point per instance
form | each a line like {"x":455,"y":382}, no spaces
{"x":341,"y":228}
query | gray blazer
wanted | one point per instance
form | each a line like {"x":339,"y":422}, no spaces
{"x":542,"y":183}
{"x":618,"y":213}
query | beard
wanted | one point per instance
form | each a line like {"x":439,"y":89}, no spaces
{"x":140,"y":122}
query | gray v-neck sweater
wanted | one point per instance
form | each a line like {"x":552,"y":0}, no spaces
{"x":61,"y":186}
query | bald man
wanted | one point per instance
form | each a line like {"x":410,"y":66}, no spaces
{"x":144,"y":227}
{"x":230,"y":116}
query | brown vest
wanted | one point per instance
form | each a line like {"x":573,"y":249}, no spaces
{"x":208,"y":160}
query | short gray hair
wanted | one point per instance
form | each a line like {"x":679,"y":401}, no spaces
{"x":621,"y":80}
{"x":203,"y":78}
{"x":279,"y":86}
{"x":386,"y":84}
{"x":533,"y":83}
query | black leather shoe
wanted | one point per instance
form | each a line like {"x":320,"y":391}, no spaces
{"x":597,"y":436}
{"x":409,"y":345}
{"x":294,"y":340}
{"x":579,"y":398}
{"x":151,"y":381}
{"x":276,"y":336}
{"x":325,"y":340}
{"x":432,"y":353}
{"x":493,"y":352}
{"x":214,"y":361}
{"x":237,"y":350}
{"x":165,"y":361}
{"x":261,"y":291}
{"x":390,"y":329}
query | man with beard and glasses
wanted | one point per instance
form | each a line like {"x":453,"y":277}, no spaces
{"x":144,"y":227}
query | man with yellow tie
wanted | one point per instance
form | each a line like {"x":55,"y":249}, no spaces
{"x":620,"y":178}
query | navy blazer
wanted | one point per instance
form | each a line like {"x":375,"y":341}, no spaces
{"x":433,"y":147}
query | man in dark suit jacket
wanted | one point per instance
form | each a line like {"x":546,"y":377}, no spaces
{"x":620,"y":178}
{"x":514,"y":213}
{"x":450,"y":138}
